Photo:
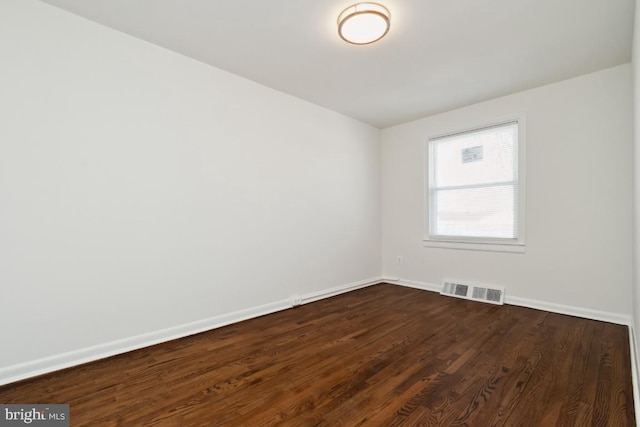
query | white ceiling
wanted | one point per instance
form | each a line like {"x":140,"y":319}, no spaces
{"x":439,"y":54}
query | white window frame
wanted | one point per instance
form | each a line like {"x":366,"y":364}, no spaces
{"x":478,"y":243}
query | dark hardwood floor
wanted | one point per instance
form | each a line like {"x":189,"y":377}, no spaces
{"x":380,"y":356}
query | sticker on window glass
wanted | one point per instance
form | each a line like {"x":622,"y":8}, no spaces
{"x":472,"y":154}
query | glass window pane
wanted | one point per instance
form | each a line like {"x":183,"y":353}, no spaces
{"x":476,"y":212}
{"x":484,"y":156}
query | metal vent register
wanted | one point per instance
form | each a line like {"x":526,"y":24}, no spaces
{"x":491,"y":294}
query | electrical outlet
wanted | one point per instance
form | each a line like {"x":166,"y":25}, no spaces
{"x":399,"y":260}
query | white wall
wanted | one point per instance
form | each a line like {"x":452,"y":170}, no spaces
{"x":636,"y":163}
{"x":140,"y":190}
{"x":578,"y":196}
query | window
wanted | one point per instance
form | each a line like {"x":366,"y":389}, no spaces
{"x":475,"y":190}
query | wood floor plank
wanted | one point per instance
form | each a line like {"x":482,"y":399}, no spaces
{"x":380,"y":356}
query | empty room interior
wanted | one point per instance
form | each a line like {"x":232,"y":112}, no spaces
{"x":267,"y":213}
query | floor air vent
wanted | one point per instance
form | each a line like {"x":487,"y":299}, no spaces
{"x":490,"y":294}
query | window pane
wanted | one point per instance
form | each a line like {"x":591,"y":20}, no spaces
{"x":484,"y":156}
{"x":476,"y":212}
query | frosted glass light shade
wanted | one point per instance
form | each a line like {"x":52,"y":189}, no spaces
{"x":364,"y":23}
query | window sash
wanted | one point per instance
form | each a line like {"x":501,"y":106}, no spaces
{"x":433,"y":201}
{"x":434,"y":190}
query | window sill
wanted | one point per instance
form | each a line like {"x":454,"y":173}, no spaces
{"x":475,"y":246}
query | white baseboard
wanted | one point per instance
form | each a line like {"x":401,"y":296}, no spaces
{"x":56,"y":362}
{"x":634,"y":371}
{"x":416,"y":285}
{"x":327,"y":293}
{"x":587,"y":313}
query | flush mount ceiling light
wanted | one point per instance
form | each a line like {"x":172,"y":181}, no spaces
{"x":364,"y":23}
